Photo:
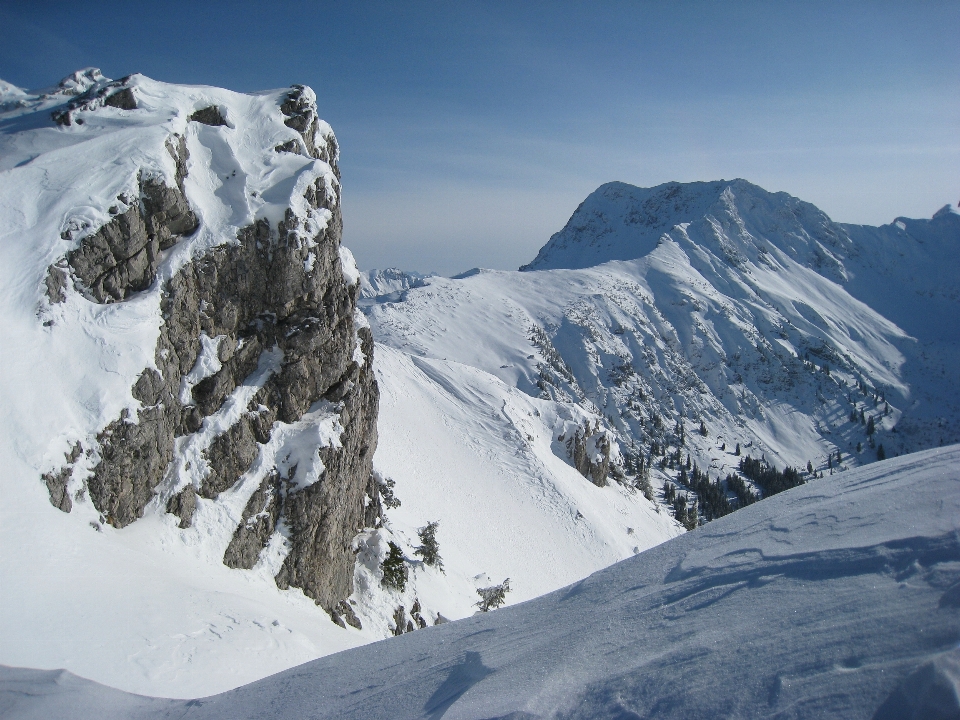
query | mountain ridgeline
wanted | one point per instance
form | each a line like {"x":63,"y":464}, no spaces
{"x":716,"y":329}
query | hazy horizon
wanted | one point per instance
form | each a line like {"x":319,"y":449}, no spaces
{"x":469,"y":134}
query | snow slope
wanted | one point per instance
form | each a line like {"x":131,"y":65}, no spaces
{"x":481,"y":457}
{"x":840,"y":598}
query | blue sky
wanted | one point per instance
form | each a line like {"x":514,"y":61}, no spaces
{"x":470,"y":131}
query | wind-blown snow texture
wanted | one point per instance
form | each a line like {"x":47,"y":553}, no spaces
{"x":838,"y":599}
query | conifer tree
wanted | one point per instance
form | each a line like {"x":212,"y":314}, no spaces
{"x":871,"y":427}
{"x":493,"y":597}
{"x":429,"y":548}
{"x":881,"y":453}
{"x":394,"y":569}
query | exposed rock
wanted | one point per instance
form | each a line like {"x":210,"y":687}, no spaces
{"x":122,"y":256}
{"x":57,"y":482}
{"x":182,"y":505}
{"x":344,"y":615}
{"x":134,"y":458}
{"x":415,"y":614}
{"x":209,"y":116}
{"x":230,"y":456}
{"x":400,"y":621}
{"x":122,"y":99}
{"x":96,"y":93}
{"x":373,"y":506}
{"x":57,"y":487}
{"x":301,"y":111}
{"x":290,"y":146}
{"x":258,"y":522}
{"x":321,"y":558}
{"x":590,"y":451}
{"x":349,"y":615}
{"x":282,"y":312}
{"x":56,"y":284}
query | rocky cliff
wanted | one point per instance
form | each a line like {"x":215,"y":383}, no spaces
{"x":260,"y":397}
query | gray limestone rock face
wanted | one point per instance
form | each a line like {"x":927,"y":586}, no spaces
{"x":134,"y":459}
{"x":57,"y":487}
{"x":590,"y":452}
{"x":122,"y":256}
{"x":301,"y":114}
{"x":258,"y":522}
{"x":324,"y":517}
{"x":56,"y":284}
{"x":182,"y":505}
{"x":209,"y":116}
{"x":282,"y":312}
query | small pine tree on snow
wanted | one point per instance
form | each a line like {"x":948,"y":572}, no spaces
{"x":809,"y":467}
{"x":703,"y":428}
{"x":429,"y":548}
{"x":881,"y":453}
{"x":871,"y":427}
{"x":737,"y":451}
{"x":493,"y":597}
{"x":385,"y":485}
{"x":394,"y":569}
{"x":859,"y":447}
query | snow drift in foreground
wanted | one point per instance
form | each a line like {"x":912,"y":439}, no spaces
{"x":840,"y":598}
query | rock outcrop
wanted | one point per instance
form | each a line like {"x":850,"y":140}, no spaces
{"x":272,"y":315}
{"x":589,"y":449}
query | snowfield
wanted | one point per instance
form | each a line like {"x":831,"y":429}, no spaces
{"x":839,"y":599}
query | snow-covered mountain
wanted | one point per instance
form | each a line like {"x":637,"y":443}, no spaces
{"x":187,"y":408}
{"x":385,"y":283}
{"x":747,"y":314}
{"x":840,"y":599}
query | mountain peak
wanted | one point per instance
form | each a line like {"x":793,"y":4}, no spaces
{"x":619,"y":221}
